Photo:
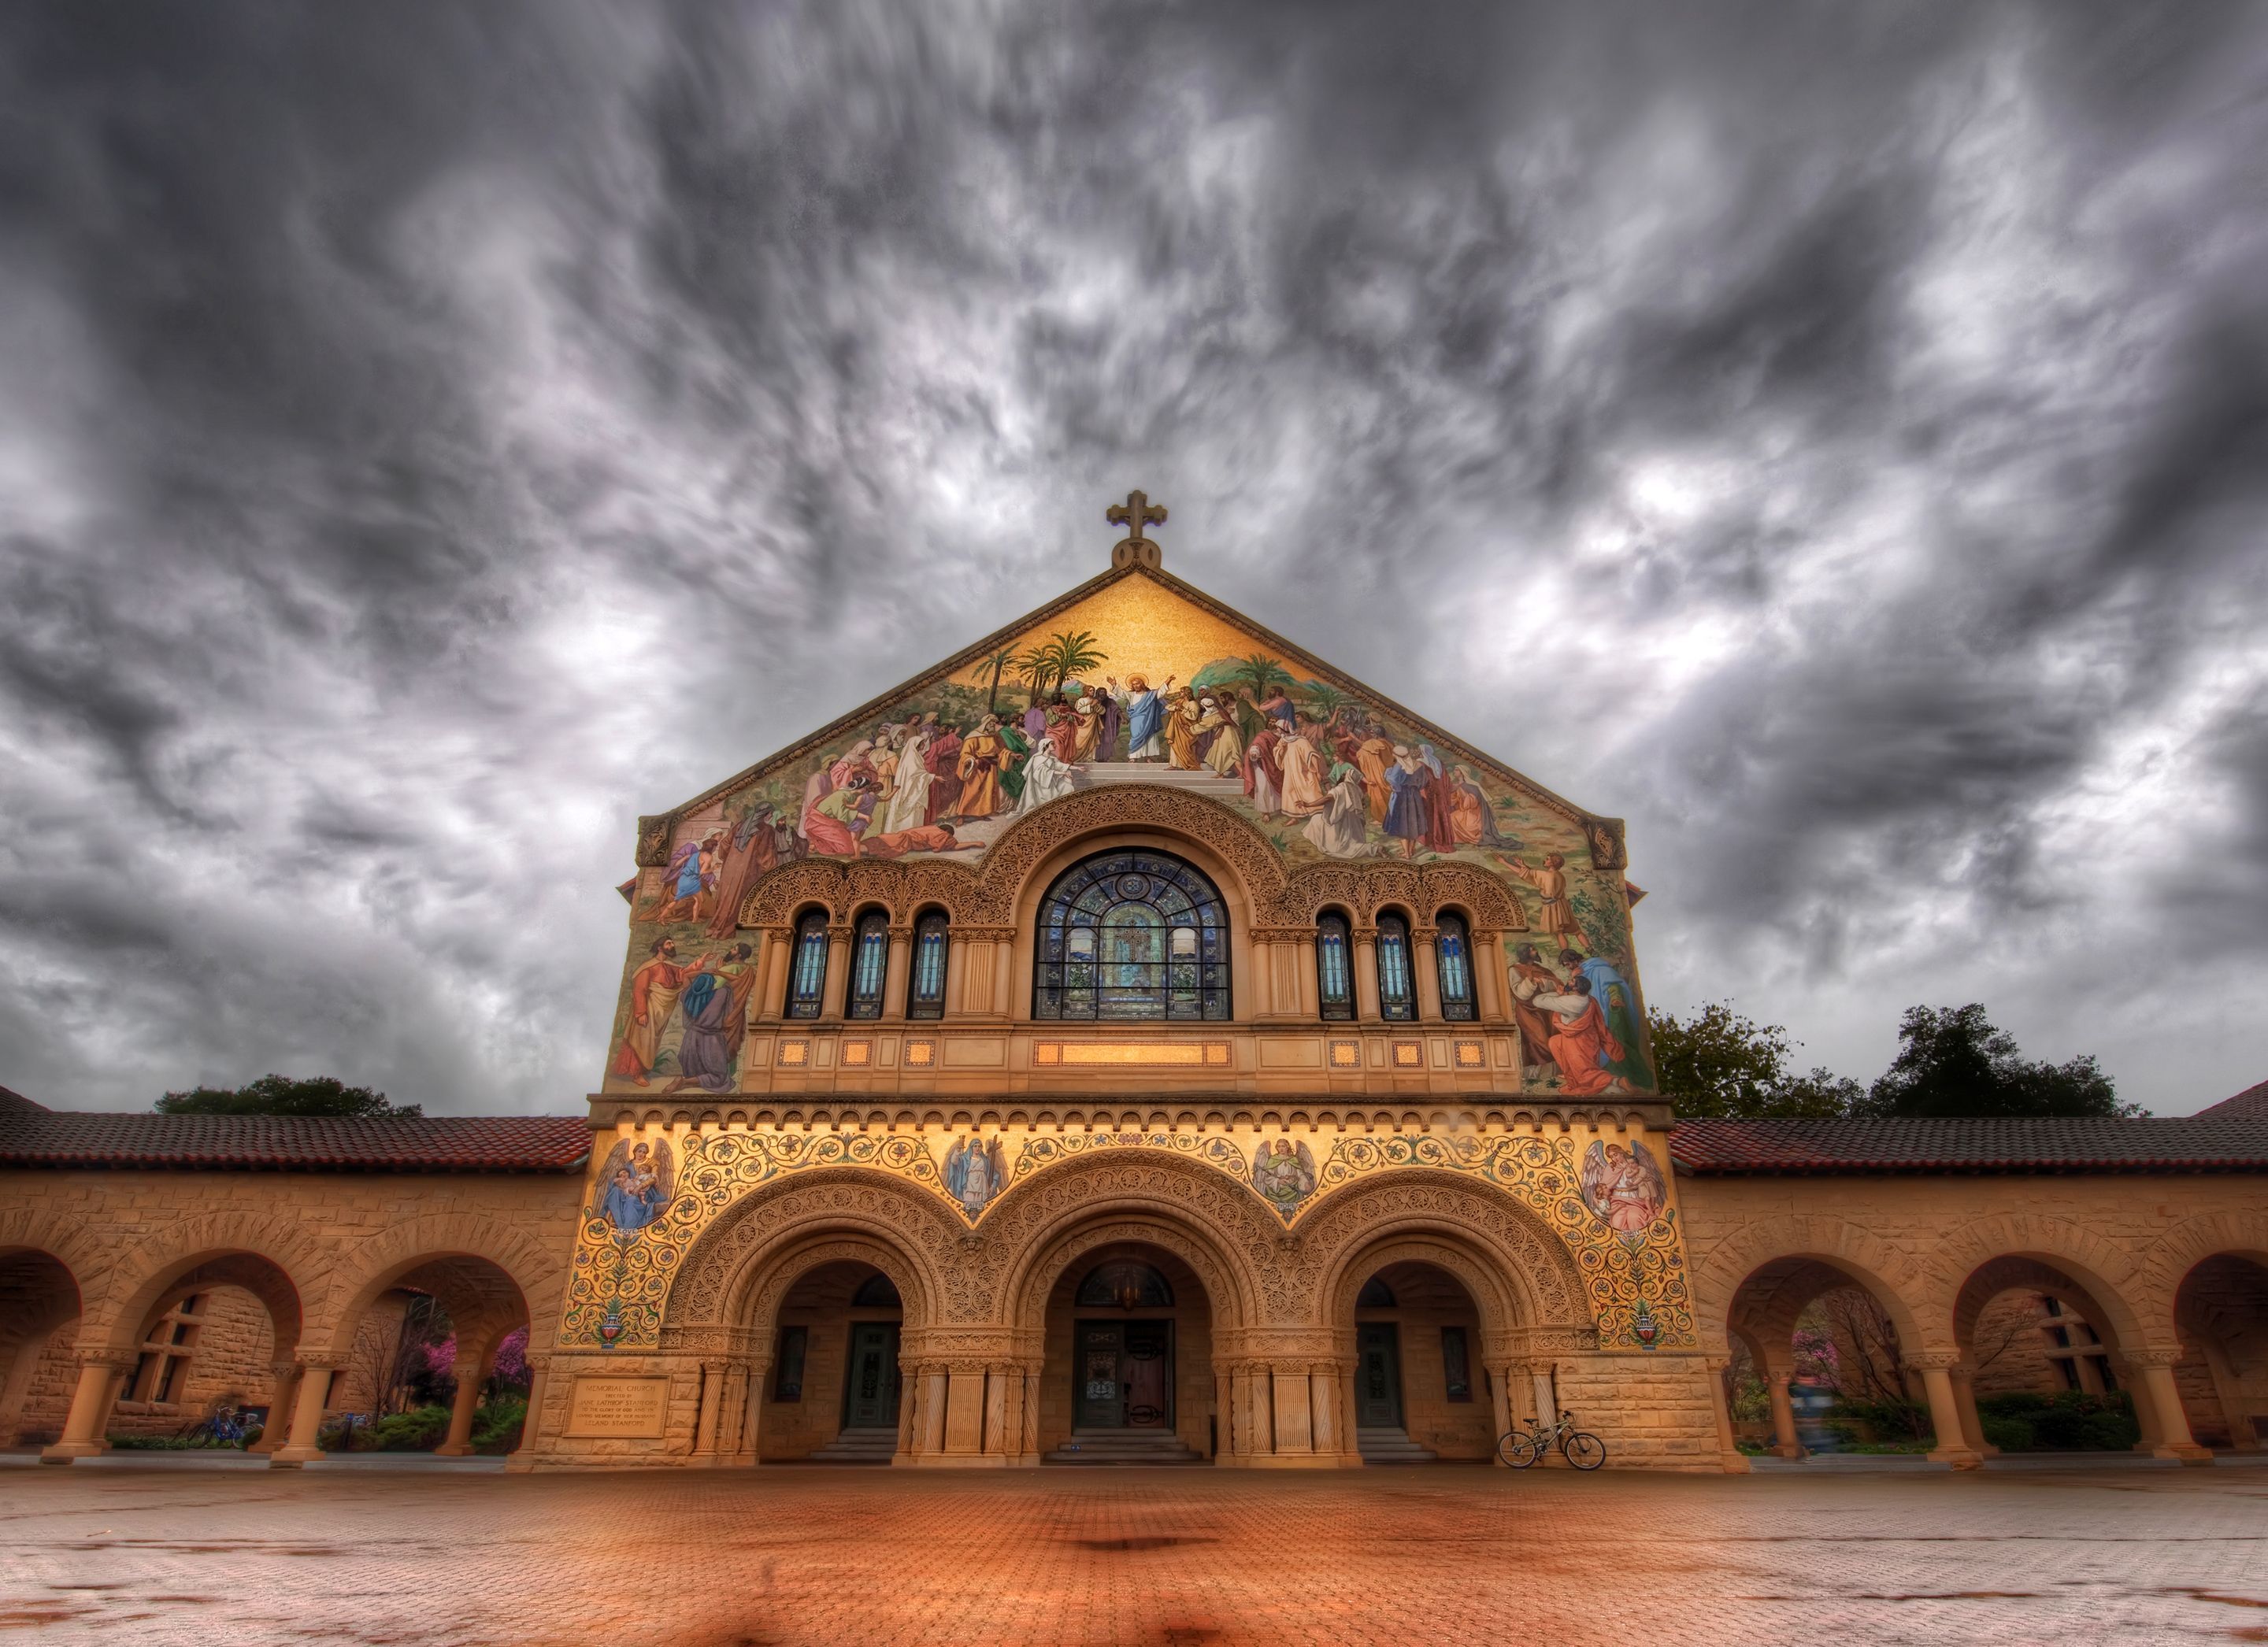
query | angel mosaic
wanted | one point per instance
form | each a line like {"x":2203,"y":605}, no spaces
{"x":634,"y":1185}
{"x":975,"y":1172}
{"x":1623,"y":1187}
{"x":1284,"y":1172}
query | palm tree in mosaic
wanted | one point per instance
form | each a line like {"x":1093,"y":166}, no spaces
{"x":1323,"y":700}
{"x":1000,"y":661}
{"x":1263,"y":675}
{"x":1071,"y":654}
{"x":1032,"y":670}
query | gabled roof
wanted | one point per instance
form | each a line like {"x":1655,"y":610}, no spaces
{"x":970,"y":656}
{"x":2167,"y":1144}
{"x":293,"y":1143}
{"x":2250,"y":1105}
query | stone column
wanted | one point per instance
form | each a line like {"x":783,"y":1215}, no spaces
{"x":1366,"y":1008}
{"x":1426,"y":957}
{"x":2166,"y":1427}
{"x":315,"y":1374}
{"x":1488,"y":977}
{"x":1500,"y":1375}
{"x":102,"y":1373}
{"x":284,"y":1385}
{"x":894,"y":979}
{"x":1735,"y":1462}
{"x":1944,"y":1411}
{"x":1547,"y":1400}
{"x":470,"y":1375}
{"x":522,"y":1457}
{"x":773,"y":948}
{"x":838,"y":974}
{"x":712,"y":1404}
{"x":1783,"y":1411}
{"x":1224,"y":1411}
{"x":1323,"y":1411}
{"x":1972,"y":1423}
{"x":1295,"y":1436}
{"x":965,"y":1412}
{"x":747,"y":1447}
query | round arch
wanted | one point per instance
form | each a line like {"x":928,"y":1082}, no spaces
{"x":2087,"y":1260}
{"x":269,"y":1257}
{"x":1895,"y":1282}
{"x":2156,"y":1282}
{"x":738,"y":1254}
{"x":1207,"y":1220}
{"x":483,"y":1272}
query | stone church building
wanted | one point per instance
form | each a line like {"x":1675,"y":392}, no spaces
{"x":1129,"y":1039}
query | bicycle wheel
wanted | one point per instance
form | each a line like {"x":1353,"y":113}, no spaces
{"x":1584,"y":1450}
{"x":1518,"y":1448}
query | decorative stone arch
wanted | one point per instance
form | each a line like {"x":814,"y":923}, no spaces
{"x":2103,"y":1268}
{"x":2157,"y":1279}
{"x":434,"y":1243}
{"x":720,"y":1279}
{"x":285,"y":1270}
{"x":1227,"y":846}
{"x":1454,"y":1255}
{"x":1533,"y":1282}
{"x":67,"y":1240}
{"x":776,"y":1272}
{"x":1041,"y":1226}
{"x":1894,"y":1280}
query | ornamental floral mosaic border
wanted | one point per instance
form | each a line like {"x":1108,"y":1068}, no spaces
{"x":1636,"y":1280}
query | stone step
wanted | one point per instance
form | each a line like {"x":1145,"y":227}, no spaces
{"x":1391,"y":1446}
{"x":858,"y":1446}
{"x":1204,"y":780}
{"x":1124,"y":1446}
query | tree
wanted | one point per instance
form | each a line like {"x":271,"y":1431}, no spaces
{"x":1032,"y":670}
{"x":1263,"y":674}
{"x":1071,"y":655}
{"x":1952,"y":1062}
{"x":1323,"y":700}
{"x":1001,"y":661}
{"x":283,"y":1095}
{"x":1719,"y":1064}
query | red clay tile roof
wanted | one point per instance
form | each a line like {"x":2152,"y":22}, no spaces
{"x":2170,"y":1144}
{"x":2250,"y":1105}
{"x":294,"y":1144}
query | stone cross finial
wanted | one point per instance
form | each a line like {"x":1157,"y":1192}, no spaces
{"x":1137,"y":511}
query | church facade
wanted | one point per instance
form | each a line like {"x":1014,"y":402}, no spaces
{"x":1131,"y":1040}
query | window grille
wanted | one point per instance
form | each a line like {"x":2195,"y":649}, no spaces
{"x":807,"y":979}
{"x":870,"y":964}
{"x":1334,"y":974}
{"x":1129,"y":934}
{"x":1397,"y":1002}
{"x":925,"y":987}
{"x":1453,"y":954}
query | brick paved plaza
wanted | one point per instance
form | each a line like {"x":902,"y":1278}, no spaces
{"x":799,"y":1556}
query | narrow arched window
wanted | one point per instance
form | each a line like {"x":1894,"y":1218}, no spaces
{"x":870,"y":963}
{"x":926,"y":984}
{"x":1334,"y":973}
{"x":1452,"y":960}
{"x":1397,"y":1000}
{"x":806,"y":983}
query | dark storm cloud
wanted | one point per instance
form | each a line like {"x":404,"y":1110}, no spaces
{"x":429,"y":437}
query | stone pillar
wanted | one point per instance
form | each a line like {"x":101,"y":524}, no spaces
{"x":1500,"y":1375}
{"x":1783,"y":1411}
{"x":1944,"y":1411}
{"x":747,"y":1447}
{"x":315,"y":1375}
{"x":964,"y":1413}
{"x":712,"y":1404}
{"x":1365,"y":975}
{"x":838,"y":974}
{"x":1224,"y":1412}
{"x":469,"y":1377}
{"x":1295,"y":1436}
{"x":522,"y":1457}
{"x":1547,"y":1400}
{"x":894,"y":979}
{"x":774,"y":946}
{"x":284,"y":1385}
{"x":1426,"y":957}
{"x":1323,"y":1411}
{"x":101,"y":1374}
{"x":2166,"y":1426}
{"x":1721,"y":1408}
{"x":1489,"y":977}
{"x":1972,"y":1423}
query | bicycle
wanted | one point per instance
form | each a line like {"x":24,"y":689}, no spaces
{"x":1521,"y":1448}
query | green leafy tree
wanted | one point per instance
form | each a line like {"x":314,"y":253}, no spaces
{"x":283,"y":1095}
{"x":1072,"y":655}
{"x":1032,"y":670}
{"x":1719,"y":1064}
{"x":1953,"y":1062}
{"x":999,"y":663}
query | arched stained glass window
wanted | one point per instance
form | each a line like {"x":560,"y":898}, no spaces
{"x":1127,"y":934}
{"x":1397,"y":999}
{"x":870,"y":964}
{"x":1453,"y":958}
{"x":1126,"y":1284}
{"x":926,"y":984}
{"x":1334,"y":968}
{"x":806,"y":981}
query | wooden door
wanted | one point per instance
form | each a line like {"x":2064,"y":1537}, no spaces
{"x":1100,"y":1396}
{"x":870,"y":1384}
{"x":1124,"y":1375}
{"x":1148,"y":1374}
{"x":1378,"y":1376}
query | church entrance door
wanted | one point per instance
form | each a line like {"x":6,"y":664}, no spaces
{"x":1378,"y":1376}
{"x":870,"y":1383}
{"x":1125,"y":1373}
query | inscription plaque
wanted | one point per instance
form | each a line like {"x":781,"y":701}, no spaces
{"x":619,"y":1408}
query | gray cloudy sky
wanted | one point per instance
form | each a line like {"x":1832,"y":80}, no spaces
{"x":1832,"y":437}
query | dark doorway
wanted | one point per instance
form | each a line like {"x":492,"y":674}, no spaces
{"x":1124,"y":1375}
{"x":1378,"y":1376}
{"x":870,"y":1383}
